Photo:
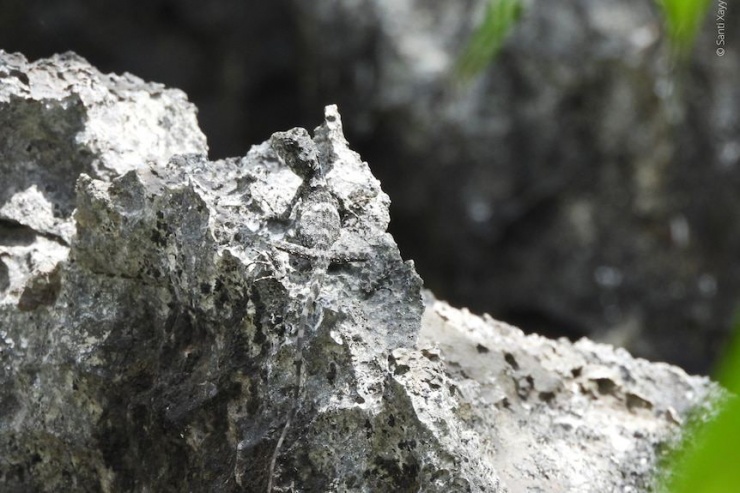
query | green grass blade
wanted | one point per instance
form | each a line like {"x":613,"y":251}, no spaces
{"x":487,"y":39}
{"x":683,"y":19}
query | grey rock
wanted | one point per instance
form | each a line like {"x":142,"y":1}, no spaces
{"x":179,"y":340}
{"x":561,"y":416}
{"x":61,"y":117}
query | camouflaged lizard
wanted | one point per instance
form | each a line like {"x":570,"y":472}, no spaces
{"x":314,"y":211}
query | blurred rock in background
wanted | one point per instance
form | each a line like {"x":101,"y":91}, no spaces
{"x":582,"y":184}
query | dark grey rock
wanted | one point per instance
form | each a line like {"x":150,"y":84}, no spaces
{"x":186,"y":337}
{"x":583,"y":184}
{"x":236,"y":61}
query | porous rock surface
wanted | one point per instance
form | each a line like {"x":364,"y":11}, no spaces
{"x":562,"y":416}
{"x":58,"y":124}
{"x":149,"y":339}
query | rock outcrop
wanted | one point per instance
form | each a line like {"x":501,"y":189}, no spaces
{"x":170,"y":323}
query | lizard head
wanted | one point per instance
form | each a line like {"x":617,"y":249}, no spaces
{"x":298,"y":151}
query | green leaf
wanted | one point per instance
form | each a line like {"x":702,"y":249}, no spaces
{"x":707,"y":461}
{"x":487,"y":39}
{"x":682,"y":19}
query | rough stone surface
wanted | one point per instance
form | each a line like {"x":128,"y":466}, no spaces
{"x":157,"y":348}
{"x":61,"y":117}
{"x":561,"y":416}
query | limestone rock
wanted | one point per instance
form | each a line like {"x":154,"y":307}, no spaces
{"x":159,"y":348}
{"x":564,"y":417}
{"x":61,"y":117}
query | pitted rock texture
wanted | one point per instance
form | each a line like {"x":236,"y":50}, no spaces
{"x":61,"y":117}
{"x":561,"y":416}
{"x":224,"y":314}
{"x":161,"y":352}
{"x":158,"y":348}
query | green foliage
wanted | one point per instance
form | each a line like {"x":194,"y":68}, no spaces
{"x":707,"y":461}
{"x":682,"y":19}
{"x":487,"y":39}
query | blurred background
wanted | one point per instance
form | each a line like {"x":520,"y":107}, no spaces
{"x":569,"y":166}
